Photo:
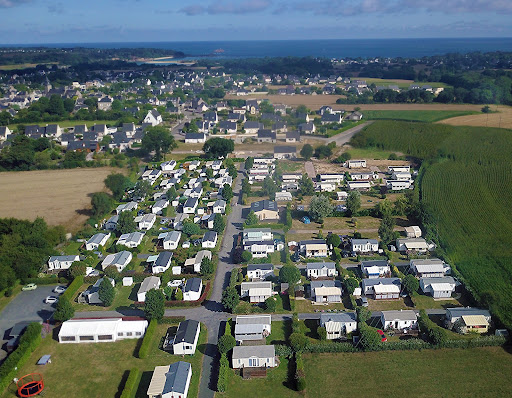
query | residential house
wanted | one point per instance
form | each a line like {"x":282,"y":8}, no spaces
{"x":195,"y":138}
{"x":279,"y":127}
{"x":145,"y":221}
{"x":325,"y":186}
{"x":170,"y":381}
{"x":259,"y":356}
{"x":211,"y":118}
{"x":338,"y":325}
{"x":413,"y":231}
{"x":251,"y":127}
{"x":105,"y":103}
{"x":170,"y":165}
{"x":192,"y":290}
{"x":161,"y":263}
{"x":283,"y":196}
{"x":131,"y":240}
{"x":130,"y":206}
{"x":153,"y":117}
{"x":151,"y":175}
{"x":418,"y":245}
{"x":359,"y":185}
{"x":5,"y":132}
{"x":252,"y":327}
{"x":185,"y":340}
{"x":151,"y":282}
{"x":375,"y":268}
{"x":442,"y":287}
{"x":355,"y":116}
{"x":257,"y":234}
{"x":209,"y":240}
{"x":313,"y":248}
{"x":307,"y":128}
{"x":257,"y":292}
{"x":119,"y":260}
{"x":326,"y":291}
{"x":57,"y":263}
{"x":455,"y":314}
{"x":196,"y":261}
{"x":328,"y":118}
{"x":292,"y":136}
{"x":265,"y":210}
{"x":355,"y":164}
{"x":429,"y":268}
{"x":190,"y":206}
{"x":104,"y":330}
{"x":169,"y":240}
{"x":321,"y":270}
{"x":96,"y":241}
{"x":259,"y":271}
{"x":228,"y":127}
{"x":259,"y":249}
{"x":381,"y":288}
{"x":266,"y":136}
{"x":398,"y":185}
{"x":219,"y":207}
{"x":285,"y":152}
{"x":159,"y":206}
{"x":399,"y":320}
{"x":364,"y":245}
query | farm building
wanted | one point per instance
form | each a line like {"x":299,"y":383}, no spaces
{"x":259,"y":356}
{"x":252,"y":327}
{"x":185,"y":341}
{"x":172,"y":381}
{"x":399,"y":320}
{"x":338,"y":325}
{"x":101,"y":330}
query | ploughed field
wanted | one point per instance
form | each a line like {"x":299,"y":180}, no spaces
{"x":61,"y":197}
{"x":466,"y":187}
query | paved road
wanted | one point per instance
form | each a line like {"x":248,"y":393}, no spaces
{"x":342,"y":138}
{"x":26,"y":306}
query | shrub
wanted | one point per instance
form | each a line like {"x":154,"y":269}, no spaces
{"x":369,"y":339}
{"x":226,"y":343}
{"x":270,"y":304}
{"x":283,"y":350}
{"x":411,"y":284}
{"x":131,"y":383}
{"x":298,"y":342}
{"x":322,"y":332}
{"x":148,"y":339}
{"x":230,"y":298}
{"x":222,"y":381}
{"x":106,"y":292}
{"x":289,"y":274}
{"x":154,"y":306}
{"x":300,"y":376}
{"x":73,"y":288}
{"x":64,"y":310}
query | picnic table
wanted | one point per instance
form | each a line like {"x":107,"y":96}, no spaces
{"x":44,"y":360}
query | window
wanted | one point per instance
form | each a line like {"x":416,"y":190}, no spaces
{"x":86,"y":338}
{"x":129,"y":333}
{"x":67,"y":338}
{"x":103,"y":337}
{"x":120,"y":334}
{"x":138,"y":333}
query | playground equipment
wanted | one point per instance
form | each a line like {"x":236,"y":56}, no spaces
{"x":30,"y":385}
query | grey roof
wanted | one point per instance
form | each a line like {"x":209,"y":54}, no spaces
{"x":132,"y":236}
{"x":252,"y":125}
{"x":186,"y":332}
{"x":285,"y":149}
{"x":364,"y":241}
{"x":151,"y":282}
{"x":62,"y":258}
{"x":209,"y":236}
{"x":163,"y":259}
{"x":120,"y":258}
{"x":97,"y":238}
{"x":312,"y":242}
{"x":443,"y":279}
{"x":293,"y":134}
{"x":194,"y":136}
{"x":342,"y":317}
{"x":405,"y":315}
{"x":264,"y":205}
{"x":383,"y":281}
{"x":260,"y":351}
{"x":253,"y":319}
{"x":191,"y":202}
{"x":254,"y":267}
{"x":460,"y":311}
{"x":374,"y":263}
{"x":320,"y":265}
{"x":315,"y":284}
{"x":193,"y":285}
{"x":176,"y":378}
{"x":266,"y":134}
{"x":226,"y":124}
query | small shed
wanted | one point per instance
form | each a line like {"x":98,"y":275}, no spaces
{"x":128,"y":281}
{"x":176,"y":270}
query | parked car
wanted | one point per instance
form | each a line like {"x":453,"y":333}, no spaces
{"x":382,"y":335}
{"x":185,"y":244}
{"x":30,"y":286}
{"x":364,"y":301}
{"x":51,"y":300}
{"x":59,"y":289}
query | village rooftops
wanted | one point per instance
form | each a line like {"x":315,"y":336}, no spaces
{"x":263,"y":267}
{"x":400,"y":315}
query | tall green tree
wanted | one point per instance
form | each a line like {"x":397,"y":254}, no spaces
{"x":218,"y":147}
{"x":230,"y":298}
{"x":227,"y":192}
{"x":289,"y":274}
{"x":207,"y":267}
{"x":218,"y":223}
{"x":320,"y":207}
{"x":269,"y":187}
{"x":306,"y":152}
{"x":386,"y":227}
{"x":252,"y":218}
{"x":101,"y":204}
{"x":64,"y":310}
{"x":158,"y":139}
{"x":126,"y":223}
{"x":353,"y":202}
{"x":154,"y":305}
{"x":106,"y":292}
{"x":118,"y":184}
{"x":306,"y":186}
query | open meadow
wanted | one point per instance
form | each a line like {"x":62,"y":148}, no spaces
{"x":467,"y":192}
{"x":61,"y":197}
{"x":501,"y":118}
{"x":425,"y":373}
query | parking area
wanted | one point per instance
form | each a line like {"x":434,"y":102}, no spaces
{"x":26,"y":306}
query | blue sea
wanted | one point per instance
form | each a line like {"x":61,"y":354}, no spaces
{"x":365,"y":48}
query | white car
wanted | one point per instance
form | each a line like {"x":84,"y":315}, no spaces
{"x":176,"y":282}
{"x":59,"y":289}
{"x":51,"y":300}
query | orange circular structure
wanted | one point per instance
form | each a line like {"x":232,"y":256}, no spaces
{"x":30,"y":385}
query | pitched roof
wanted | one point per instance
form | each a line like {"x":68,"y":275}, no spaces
{"x":264,"y":205}
{"x":186,"y":332}
{"x":193,"y":285}
{"x":401,"y":315}
{"x":342,"y":317}
{"x":320,"y":265}
{"x":259,"y":351}
{"x":265,"y":267}
{"x":176,"y":378}
{"x":285,"y":149}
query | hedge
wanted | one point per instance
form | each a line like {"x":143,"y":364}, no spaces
{"x":148,"y":339}
{"x":46,"y":280}
{"x":222,"y":381}
{"x":283,"y":350}
{"x":29,"y":341}
{"x":300,"y":375}
{"x":73,"y":288}
{"x":131,"y":384}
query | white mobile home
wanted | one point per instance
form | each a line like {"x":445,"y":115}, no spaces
{"x":259,"y":356}
{"x":399,"y":320}
{"x":185,"y":341}
{"x":57,"y":263}
{"x":101,"y":330}
{"x":252,"y":327}
{"x":170,"y":381}
{"x":338,"y":325}
{"x":257,"y":292}
{"x":151,"y":282}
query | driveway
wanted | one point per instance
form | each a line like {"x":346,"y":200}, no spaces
{"x":342,"y":138}
{"x":26,"y":306}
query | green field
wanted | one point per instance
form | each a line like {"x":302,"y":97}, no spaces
{"x":100,"y":369}
{"x":467,"y":189}
{"x":400,"y":83}
{"x":477,"y":372}
{"x":415,"y":116}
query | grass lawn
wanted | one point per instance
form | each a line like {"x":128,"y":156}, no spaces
{"x":401,"y":83}
{"x":275,"y":385}
{"x":369,"y":153}
{"x":347,"y":125}
{"x":125,"y":297}
{"x":386,"y":305}
{"x":281,"y":330}
{"x":100,"y":370}
{"x":302,"y":306}
{"x":422,"y":301}
{"x":72,"y":248}
{"x":428,"y":116}
{"x":291,"y":166}
{"x":431,"y":373}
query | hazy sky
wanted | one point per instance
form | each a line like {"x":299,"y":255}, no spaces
{"x":73,"y":21}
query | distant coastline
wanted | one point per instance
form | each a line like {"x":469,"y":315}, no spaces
{"x":332,"y":48}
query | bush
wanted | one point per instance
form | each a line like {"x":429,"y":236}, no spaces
{"x":411,"y":284}
{"x":154,"y":305}
{"x":283,"y":350}
{"x":270,"y":304}
{"x":29,"y":341}
{"x":73,"y":288}
{"x":148,"y":339}
{"x":222,"y":381}
{"x":322,"y":332}
{"x":226,"y":343}
{"x":233,"y":278}
{"x":298,"y":342}
{"x":131,"y":384}
{"x":106,"y":292}
{"x":300,"y":376}
{"x":64,"y":310}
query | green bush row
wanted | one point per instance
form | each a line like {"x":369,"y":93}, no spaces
{"x":73,"y":288}
{"x":300,"y":374}
{"x":131,"y":384}
{"x":148,"y":339}
{"x":222,"y":382}
{"x":49,"y":280}
{"x":29,"y":341}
